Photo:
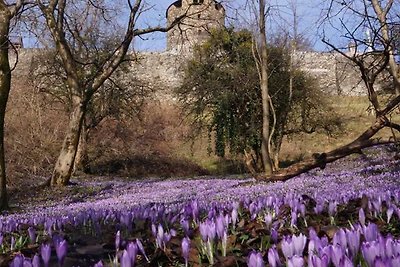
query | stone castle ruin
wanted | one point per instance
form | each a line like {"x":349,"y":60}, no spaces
{"x":163,"y":70}
{"x":201,"y":16}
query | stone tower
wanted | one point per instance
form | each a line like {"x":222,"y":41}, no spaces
{"x":201,"y":17}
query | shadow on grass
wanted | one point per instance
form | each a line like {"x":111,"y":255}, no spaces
{"x":146,"y":166}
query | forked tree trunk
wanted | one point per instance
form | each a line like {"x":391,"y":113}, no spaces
{"x":5,"y":84}
{"x":65,"y":162}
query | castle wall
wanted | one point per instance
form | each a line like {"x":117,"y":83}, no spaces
{"x":336,"y":75}
{"x":164,"y":71}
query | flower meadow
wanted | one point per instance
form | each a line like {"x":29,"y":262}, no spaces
{"x":345,"y":215}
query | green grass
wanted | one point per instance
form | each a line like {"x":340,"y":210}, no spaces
{"x":356,"y":119}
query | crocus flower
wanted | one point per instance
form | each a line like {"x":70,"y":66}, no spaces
{"x":287,"y":247}
{"x":337,"y":254}
{"x":255,"y":260}
{"x":185,"y":226}
{"x":389,"y":213}
{"x":220,"y":226}
{"x":126,"y":260}
{"x":99,"y":264}
{"x":18,"y":261}
{"x":332,"y":208}
{"x":186,"y":249}
{"x":36,"y":261}
{"x":32,"y":234}
{"x":268,"y":219}
{"x":117,"y":240}
{"x":353,"y":241}
{"x":370,"y":251}
{"x":371,"y":232}
{"x":45,"y":252}
{"x":141,"y":249}
{"x":361,"y":216}
{"x":273,"y":257}
{"x":296,"y":261}
{"x":340,"y":238}
{"x":234,"y":216}
{"x":315,"y":261}
{"x":132,"y":250}
{"x":346,"y":262}
{"x":381,"y":262}
{"x":299,"y":242}
{"x":12,"y":243}
{"x":61,"y":251}
{"x":274,"y":235}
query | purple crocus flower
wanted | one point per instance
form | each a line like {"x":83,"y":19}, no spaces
{"x":234,"y":216}
{"x":117,"y":240}
{"x":32,"y":234}
{"x":12,"y":243}
{"x":371,"y":232}
{"x":296,"y":261}
{"x":346,"y":262}
{"x":396,"y":261}
{"x":315,"y":261}
{"x":361,"y":216}
{"x":274,"y":235}
{"x":126,"y":260}
{"x":287,"y":247}
{"x":332,"y":208}
{"x":36,"y":261}
{"x":268,"y":219}
{"x":141,"y":249}
{"x":273,"y":257}
{"x":255,"y":260}
{"x":186,"y":249}
{"x":220,"y":226}
{"x":132,"y":250}
{"x":293,"y":220}
{"x":370,"y":251}
{"x":61,"y":251}
{"x":389,"y":213}
{"x":45,"y":252}
{"x":299,"y":243}
{"x":340,"y":238}
{"x":353,"y":242}
{"x":99,"y":264}
{"x":337,"y":254}
{"x":185,"y":226}
{"x":382,"y":262}
{"x":18,"y":261}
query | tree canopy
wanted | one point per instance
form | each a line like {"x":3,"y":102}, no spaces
{"x":221,"y":93}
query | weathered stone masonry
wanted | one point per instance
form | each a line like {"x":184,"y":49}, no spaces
{"x":163,"y":71}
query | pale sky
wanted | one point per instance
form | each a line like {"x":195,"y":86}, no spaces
{"x":280,"y":18}
{"x":309,"y":12}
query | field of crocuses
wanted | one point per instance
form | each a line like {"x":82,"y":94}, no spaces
{"x":345,"y":215}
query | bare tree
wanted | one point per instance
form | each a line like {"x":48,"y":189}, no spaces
{"x":84,"y":78}
{"x":373,"y":56}
{"x":8,"y":11}
{"x":261,"y":56}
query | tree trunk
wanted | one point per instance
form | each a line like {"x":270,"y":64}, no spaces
{"x":82,"y":159}
{"x":65,"y":162}
{"x":5,"y":84}
{"x":264,"y":91}
{"x":320,"y":160}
